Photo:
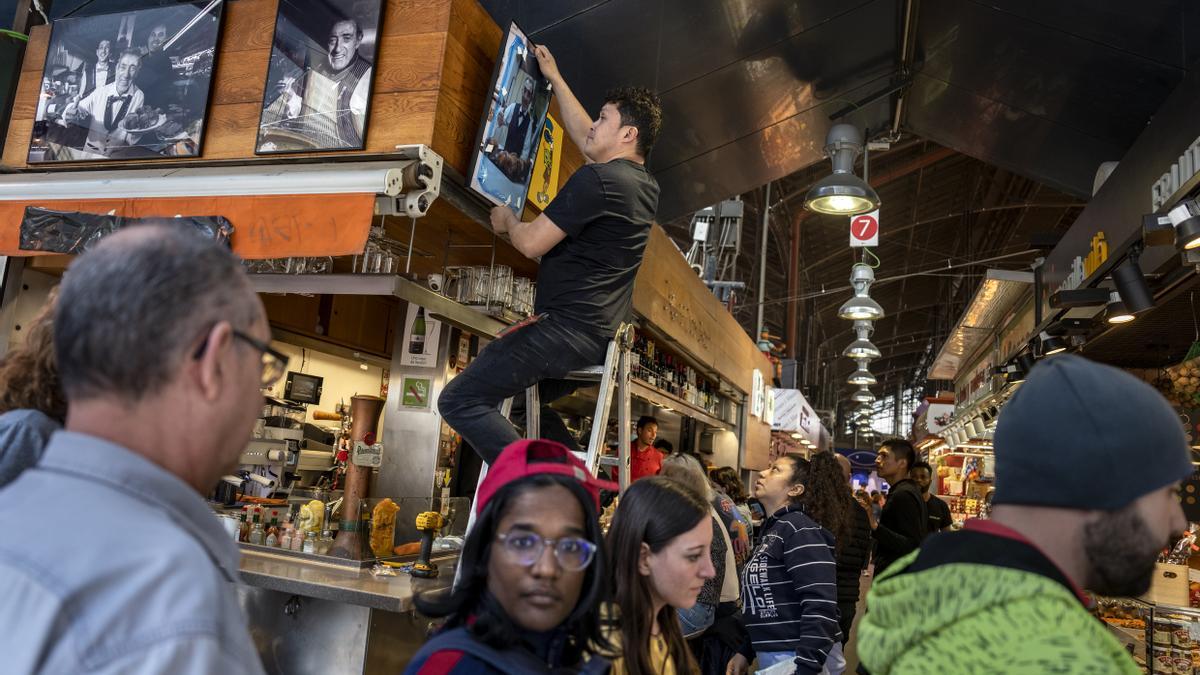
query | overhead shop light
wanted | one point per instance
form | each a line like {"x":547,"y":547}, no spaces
{"x":862,"y":376}
{"x":842,"y":193}
{"x":1051,"y":344}
{"x":861,"y":307}
{"x":413,"y":180}
{"x":997,"y":294}
{"x":1131,"y":284}
{"x":1185,"y":217}
{"x":862,"y":349}
{"x":1115,"y":312}
{"x":977,"y":427}
{"x":863,"y":395}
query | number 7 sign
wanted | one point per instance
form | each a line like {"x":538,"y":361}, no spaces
{"x":864,"y":229}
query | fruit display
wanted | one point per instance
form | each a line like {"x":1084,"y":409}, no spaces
{"x":1181,"y":383}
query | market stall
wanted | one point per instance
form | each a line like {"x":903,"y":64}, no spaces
{"x":381,"y":282}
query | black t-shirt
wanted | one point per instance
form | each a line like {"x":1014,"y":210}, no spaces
{"x":606,"y":210}
{"x":939,"y":514}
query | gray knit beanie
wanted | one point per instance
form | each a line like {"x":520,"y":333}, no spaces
{"x":1081,"y":435}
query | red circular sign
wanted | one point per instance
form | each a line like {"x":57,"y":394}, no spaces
{"x":864,"y":227}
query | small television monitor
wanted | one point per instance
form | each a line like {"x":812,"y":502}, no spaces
{"x":518,"y":100}
{"x":301,"y":388}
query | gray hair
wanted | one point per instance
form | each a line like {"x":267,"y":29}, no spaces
{"x":132,"y":307}
{"x":687,"y":471}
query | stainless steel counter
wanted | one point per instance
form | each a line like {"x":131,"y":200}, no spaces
{"x":337,"y":584}
{"x":307,"y":618}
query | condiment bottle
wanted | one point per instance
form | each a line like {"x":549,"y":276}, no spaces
{"x":325,"y":543}
{"x":285,"y":539}
{"x":297,"y":539}
{"x":310,"y":542}
{"x":256,"y":532}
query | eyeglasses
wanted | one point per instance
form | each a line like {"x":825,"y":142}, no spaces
{"x":274,"y":363}
{"x":573,"y":553}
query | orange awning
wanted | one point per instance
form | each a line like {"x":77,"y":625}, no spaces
{"x":265,"y":226}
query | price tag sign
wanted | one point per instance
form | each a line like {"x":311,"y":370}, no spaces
{"x":864,"y":230}
{"x":367,"y":455}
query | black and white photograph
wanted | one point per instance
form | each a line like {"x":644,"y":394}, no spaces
{"x":127,"y":85}
{"x":318,"y":90}
{"x":512,"y":124}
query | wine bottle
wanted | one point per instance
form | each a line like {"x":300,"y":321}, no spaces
{"x":416,"y":343}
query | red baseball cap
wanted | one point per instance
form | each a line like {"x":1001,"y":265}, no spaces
{"x":539,"y":456}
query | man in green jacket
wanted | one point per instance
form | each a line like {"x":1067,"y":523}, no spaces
{"x":1088,"y":465}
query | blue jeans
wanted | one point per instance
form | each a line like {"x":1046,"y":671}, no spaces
{"x":696,"y":619}
{"x":541,"y":353}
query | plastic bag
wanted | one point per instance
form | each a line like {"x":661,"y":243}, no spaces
{"x":75,"y":232}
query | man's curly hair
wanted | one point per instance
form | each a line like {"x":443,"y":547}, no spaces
{"x":29,"y":373}
{"x":640,"y":108}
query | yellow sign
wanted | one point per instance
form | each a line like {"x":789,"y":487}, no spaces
{"x":1097,"y":254}
{"x":543,"y":187}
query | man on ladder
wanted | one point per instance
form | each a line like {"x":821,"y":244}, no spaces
{"x":590,"y":240}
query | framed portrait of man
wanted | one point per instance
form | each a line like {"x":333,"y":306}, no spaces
{"x":127,"y":85}
{"x":318,"y":90}
{"x":512,"y":125}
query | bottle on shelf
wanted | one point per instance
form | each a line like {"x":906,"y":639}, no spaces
{"x":310,"y":543}
{"x":285,"y":537}
{"x":416,"y":342}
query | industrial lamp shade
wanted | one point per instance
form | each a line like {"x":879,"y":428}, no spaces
{"x":862,"y":376}
{"x":862,"y":349}
{"x":863,"y":395}
{"x":1115,"y":311}
{"x":861,"y":308}
{"x":842,"y":193}
{"x":1132,"y":286}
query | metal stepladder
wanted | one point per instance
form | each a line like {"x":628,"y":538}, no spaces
{"x":613,"y":377}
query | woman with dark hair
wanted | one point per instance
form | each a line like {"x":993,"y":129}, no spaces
{"x":533,"y":572}
{"x":789,"y":587}
{"x":660,"y":541}
{"x":727,"y":481}
{"x":31,"y":399}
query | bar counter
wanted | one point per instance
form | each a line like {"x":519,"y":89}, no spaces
{"x":311,"y":617}
{"x":340,"y":584}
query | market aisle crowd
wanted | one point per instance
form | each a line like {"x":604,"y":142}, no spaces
{"x":674,"y":585}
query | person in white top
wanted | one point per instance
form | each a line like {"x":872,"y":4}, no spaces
{"x":103,"y":110}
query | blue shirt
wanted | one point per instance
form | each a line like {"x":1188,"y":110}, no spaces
{"x":111,"y":564}
{"x":23,"y":437}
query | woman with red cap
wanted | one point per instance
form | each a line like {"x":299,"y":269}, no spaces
{"x":532,"y":581}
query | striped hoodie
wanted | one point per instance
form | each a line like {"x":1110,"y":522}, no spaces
{"x":789,"y":590}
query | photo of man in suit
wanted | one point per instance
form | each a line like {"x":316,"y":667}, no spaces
{"x":104,"y":110}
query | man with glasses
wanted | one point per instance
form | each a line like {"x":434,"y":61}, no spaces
{"x":161,"y":350}
{"x":528,"y":598}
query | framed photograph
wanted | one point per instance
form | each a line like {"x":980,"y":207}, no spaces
{"x":512,"y":124}
{"x":127,"y":85}
{"x":318,"y":90}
